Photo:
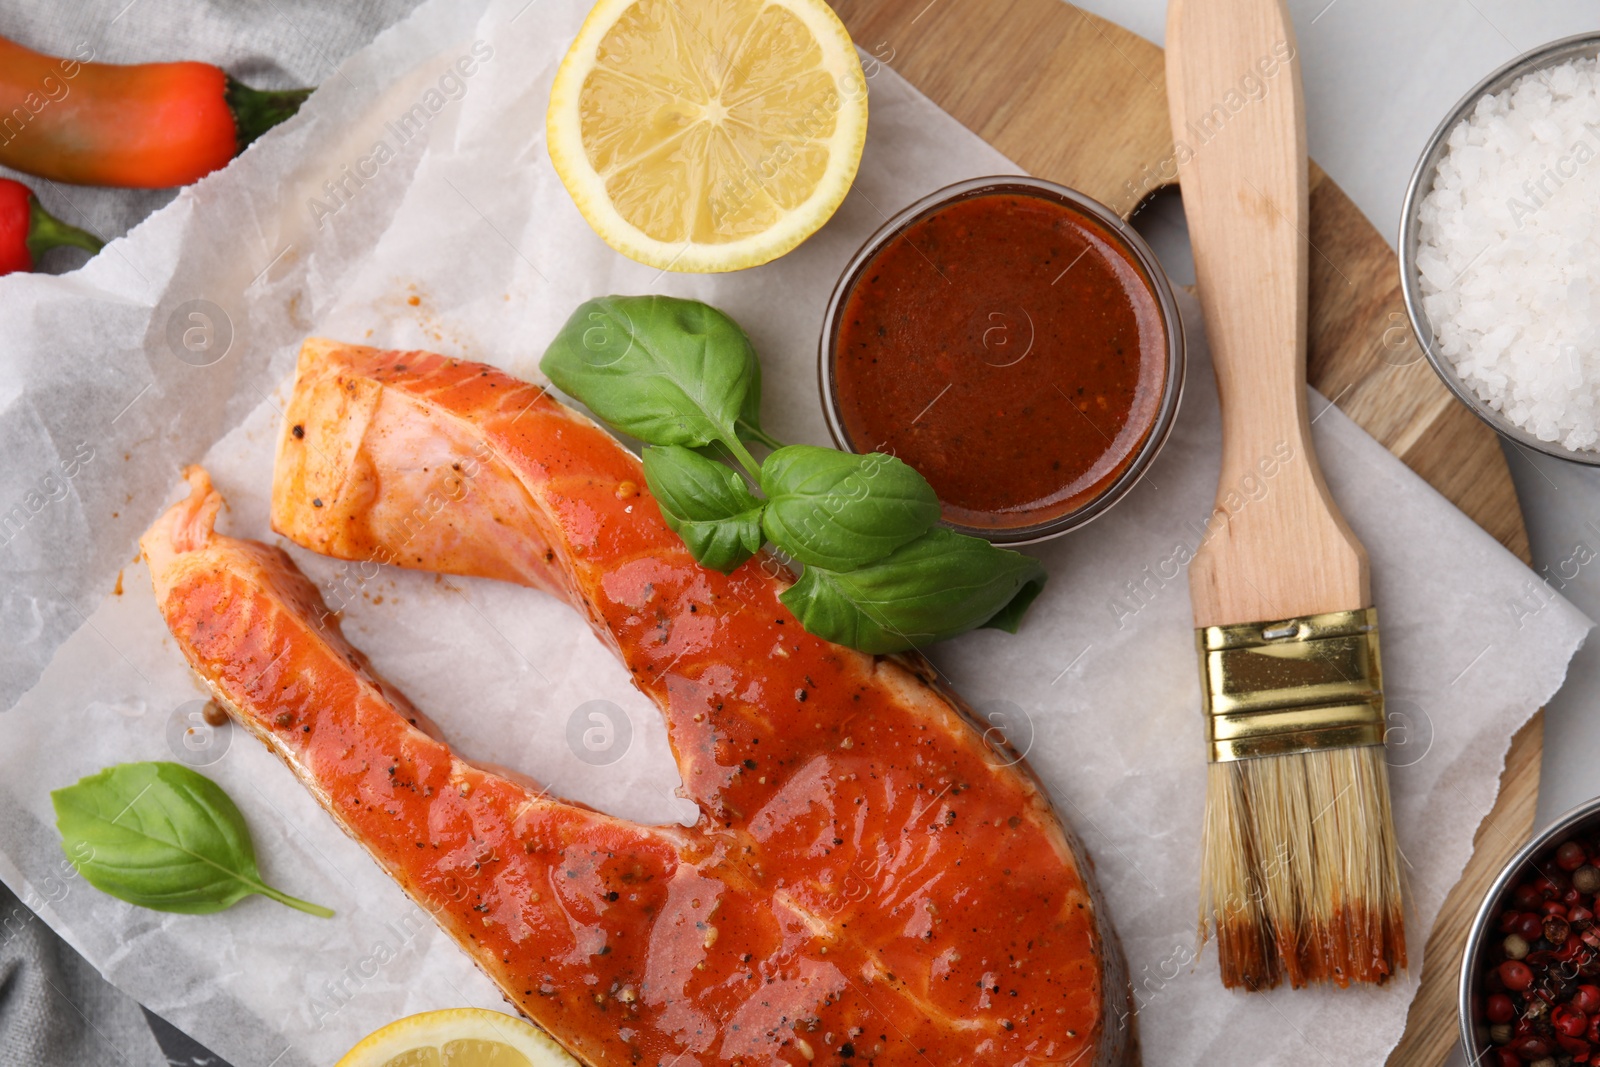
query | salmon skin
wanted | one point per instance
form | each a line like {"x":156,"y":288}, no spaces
{"x":868,"y":881}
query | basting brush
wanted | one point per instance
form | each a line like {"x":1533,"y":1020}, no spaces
{"x":1299,"y":879}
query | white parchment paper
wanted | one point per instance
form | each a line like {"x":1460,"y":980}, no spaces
{"x":412,"y":204}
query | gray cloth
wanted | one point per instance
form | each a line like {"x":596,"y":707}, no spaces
{"x":54,"y":1007}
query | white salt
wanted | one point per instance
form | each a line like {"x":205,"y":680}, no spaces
{"x":1509,"y":253}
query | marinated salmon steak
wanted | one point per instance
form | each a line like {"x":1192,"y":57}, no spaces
{"x":869,"y":880}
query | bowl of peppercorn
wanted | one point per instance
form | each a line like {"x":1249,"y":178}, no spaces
{"x":1530,"y":976}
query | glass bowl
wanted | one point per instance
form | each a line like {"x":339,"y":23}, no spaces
{"x":1135,"y":251}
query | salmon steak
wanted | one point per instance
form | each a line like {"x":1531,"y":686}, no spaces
{"x":871,"y":879}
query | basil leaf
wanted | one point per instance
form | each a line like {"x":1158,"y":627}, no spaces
{"x":667,"y":371}
{"x":162,"y":836}
{"x":706,"y":504}
{"x":1009,"y":618}
{"x":940,"y":585}
{"x":839,"y":510}
{"x":750,"y":410}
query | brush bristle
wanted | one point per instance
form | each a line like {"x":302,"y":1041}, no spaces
{"x":1299,"y":876}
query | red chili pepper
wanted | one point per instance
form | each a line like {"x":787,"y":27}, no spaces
{"x":146,"y":126}
{"x":27,"y":230}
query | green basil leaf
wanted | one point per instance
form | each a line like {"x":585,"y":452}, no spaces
{"x":1009,"y":618}
{"x":940,"y":585}
{"x":667,"y":371}
{"x":162,"y":836}
{"x":838,"y":510}
{"x":706,"y":504}
{"x":750,"y":410}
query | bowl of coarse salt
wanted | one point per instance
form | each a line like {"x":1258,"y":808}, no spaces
{"x":1500,"y":250}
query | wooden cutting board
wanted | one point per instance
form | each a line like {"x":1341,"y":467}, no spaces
{"x":1078,"y":100}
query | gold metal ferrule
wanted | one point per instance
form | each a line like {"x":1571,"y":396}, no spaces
{"x":1278,"y":688}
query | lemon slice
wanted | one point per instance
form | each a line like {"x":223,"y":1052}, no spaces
{"x":457,"y":1037}
{"x":708,"y":135}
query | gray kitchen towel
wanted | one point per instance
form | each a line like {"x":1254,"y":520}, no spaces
{"x":54,"y":1008}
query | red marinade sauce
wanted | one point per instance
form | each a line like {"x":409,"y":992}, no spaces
{"x":1007,"y":348}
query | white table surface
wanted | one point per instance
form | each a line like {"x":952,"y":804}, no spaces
{"x":1379,"y":76}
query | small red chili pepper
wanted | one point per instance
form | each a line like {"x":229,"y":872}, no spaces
{"x":27,"y":230}
{"x":146,"y":126}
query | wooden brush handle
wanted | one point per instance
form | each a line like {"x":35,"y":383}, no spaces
{"x":1280,"y":548}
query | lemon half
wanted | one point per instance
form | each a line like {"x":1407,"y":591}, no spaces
{"x":708,"y":135}
{"x":458,"y":1037}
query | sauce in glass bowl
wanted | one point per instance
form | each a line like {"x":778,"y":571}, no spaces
{"x":1016,"y":344}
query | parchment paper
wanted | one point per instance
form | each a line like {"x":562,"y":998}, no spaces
{"x":457,"y":236}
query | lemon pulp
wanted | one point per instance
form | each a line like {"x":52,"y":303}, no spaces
{"x":708,"y":134}
{"x":458,"y":1037}
{"x":467,"y":1053}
